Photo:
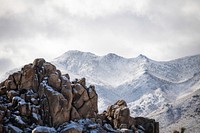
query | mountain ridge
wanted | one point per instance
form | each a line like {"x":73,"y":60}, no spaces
{"x":147,"y":85}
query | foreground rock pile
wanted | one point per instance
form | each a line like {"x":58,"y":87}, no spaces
{"x":40,"y":99}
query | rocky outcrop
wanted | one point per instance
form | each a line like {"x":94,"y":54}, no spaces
{"x":40,"y":95}
{"x":40,"y":99}
{"x":118,"y":115}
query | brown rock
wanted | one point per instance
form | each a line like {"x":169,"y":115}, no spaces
{"x":35,"y":83}
{"x":74,"y":114}
{"x":58,"y":105}
{"x":65,"y":80}
{"x":10,"y":85}
{"x":119,"y":114}
{"x":125,"y":111}
{"x":99,"y":121}
{"x":80,"y":96}
{"x":94,"y":104}
{"x":121,"y":103}
{"x":82,"y":82}
{"x":67,"y":93}
{"x":34,"y":101}
{"x":91,"y":91}
{"x":2,"y":114}
{"x":37,"y":119}
{"x":175,"y":131}
{"x":132,"y":123}
{"x":148,"y":124}
{"x":28,"y":75}
{"x":3,"y":107}
{"x":87,"y":111}
{"x":38,"y":62}
{"x":78,"y":89}
{"x":55,"y":81}
{"x":85,"y":96}
{"x":67,"y":76}
{"x":11,"y":94}
{"x":17,"y":77}
{"x":72,"y":128}
{"x":3,"y":90}
{"x":79,"y":102}
{"x":24,"y":108}
{"x":49,"y":68}
{"x":123,"y":126}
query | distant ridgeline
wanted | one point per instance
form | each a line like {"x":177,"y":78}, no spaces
{"x":40,"y":99}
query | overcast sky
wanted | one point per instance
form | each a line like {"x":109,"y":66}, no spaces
{"x":159,"y":29}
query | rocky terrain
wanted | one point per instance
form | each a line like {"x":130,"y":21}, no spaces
{"x":38,"y":99}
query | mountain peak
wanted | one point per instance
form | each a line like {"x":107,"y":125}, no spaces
{"x":77,"y":52}
{"x":112,"y":56}
{"x":142,"y":57}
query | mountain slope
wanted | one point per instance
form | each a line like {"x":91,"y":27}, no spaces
{"x":131,"y":78}
{"x":151,"y":88}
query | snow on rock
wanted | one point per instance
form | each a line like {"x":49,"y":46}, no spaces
{"x":44,"y":129}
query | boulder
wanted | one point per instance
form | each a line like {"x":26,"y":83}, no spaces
{"x":119,"y":115}
{"x":148,"y":124}
{"x":86,"y":111}
{"x":18,"y":121}
{"x":74,"y":114}
{"x":17,"y":77}
{"x":24,"y":108}
{"x":67,"y":93}
{"x":14,"y":129}
{"x":3,"y":90}
{"x":49,"y":68}
{"x":55,"y":82}
{"x":2,"y":114}
{"x":36,"y":118}
{"x":78,"y":89}
{"x":44,"y":129}
{"x":67,"y":76}
{"x":11,"y":94}
{"x":79,"y":100}
{"x":58,"y":105}
{"x":10,"y":85}
{"x":82,"y":81}
{"x":28,"y":75}
{"x":72,"y":128}
{"x":38,"y":62}
{"x":91,"y":91}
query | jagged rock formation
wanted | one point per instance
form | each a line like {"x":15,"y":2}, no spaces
{"x":118,"y":115}
{"x":40,"y":99}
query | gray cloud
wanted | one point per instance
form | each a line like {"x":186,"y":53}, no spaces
{"x":160,"y":29}
{"x":5,"y":64}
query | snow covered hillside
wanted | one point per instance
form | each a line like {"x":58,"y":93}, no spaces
{"x":148,"y":86}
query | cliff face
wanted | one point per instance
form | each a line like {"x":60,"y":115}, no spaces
{"x":40,"y":99}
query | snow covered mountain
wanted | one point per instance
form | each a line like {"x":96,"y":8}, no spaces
{"x":149,"y":87}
